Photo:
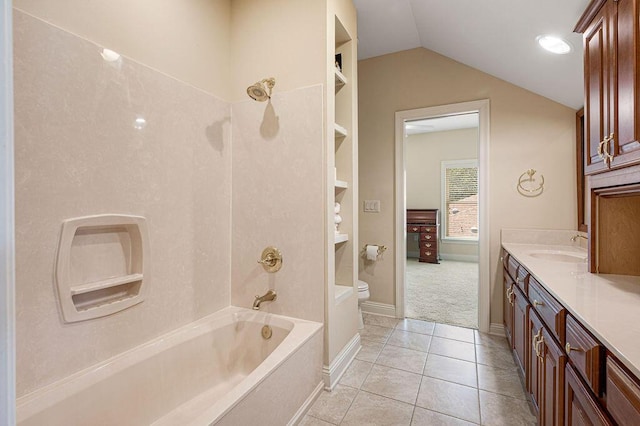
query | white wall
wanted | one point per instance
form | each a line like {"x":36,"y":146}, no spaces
{"x":527,"y":131}
{"x":424,"y":154}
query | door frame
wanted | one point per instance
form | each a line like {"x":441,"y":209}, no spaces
{"x":7,"y":233}
{"x":482,"y":108}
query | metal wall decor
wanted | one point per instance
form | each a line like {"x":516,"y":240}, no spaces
{"x":529,"y":185}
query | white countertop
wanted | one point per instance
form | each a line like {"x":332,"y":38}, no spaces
{"x":607,"y":305}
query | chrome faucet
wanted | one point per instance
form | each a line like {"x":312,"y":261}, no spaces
{"x":575,"y":237}
{"x":270,"y":296}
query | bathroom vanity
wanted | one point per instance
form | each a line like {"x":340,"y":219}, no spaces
{"x":573,"y":334}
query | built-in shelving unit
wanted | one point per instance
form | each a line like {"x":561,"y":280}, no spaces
{"x":341,"y":327}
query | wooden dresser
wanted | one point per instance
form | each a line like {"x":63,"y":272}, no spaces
{"x":426,"y":223}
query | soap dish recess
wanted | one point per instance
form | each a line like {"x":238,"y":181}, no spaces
{"x":100,"y":266}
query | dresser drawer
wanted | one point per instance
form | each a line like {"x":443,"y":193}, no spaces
{"x":427,"y":254}
{"x":428,"y":237}
{"x":623,"y":394}
{"x":433,"y":245}
{"x":512,"y":267}
{"x":428,"y":229}
{"x":413,"y":228}
{"x":551,"y":312}
{"x":585,"y":353}
{"x":522,"y":279}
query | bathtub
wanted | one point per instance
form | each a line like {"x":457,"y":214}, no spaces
{"x":218,"y":370}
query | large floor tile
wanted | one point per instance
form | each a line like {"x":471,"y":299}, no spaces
{"x":369,"y":351}
{"x":498,"y":380}
{"x":410,"y":340}
{"x":486,"y":339}
{"x":451,"y":369}
{"x":356,"y":374}
{"x":332,"y":406}
{"x":416,"y":326}
{"x":375,"y":333}
{"x":495,"y":356}
{"x":422,"y":417}
{"x":500,"y":410}
{"x":373,"y":410}
{"x":454,"y":332}
{"x":380,"y":320}
{"x":402,"y":358}
{"x":449,"y":398}
{"x":393,"y":383}
{"x":312,"y":421}
{"x":453,"y":349}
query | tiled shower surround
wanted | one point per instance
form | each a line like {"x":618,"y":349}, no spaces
{"x":96,"y":137}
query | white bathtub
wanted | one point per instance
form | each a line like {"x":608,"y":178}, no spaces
{"x":216,"y":370}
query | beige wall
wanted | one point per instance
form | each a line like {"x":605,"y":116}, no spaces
{"x":527,"y":131}
{"x":188,"y":40}
{"x":266,"y":42}
{"x":424,"y":153}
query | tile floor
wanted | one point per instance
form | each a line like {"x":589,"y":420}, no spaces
{"x":413,"y":372}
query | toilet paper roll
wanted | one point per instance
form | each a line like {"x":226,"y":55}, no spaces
{"x":372,"y":252}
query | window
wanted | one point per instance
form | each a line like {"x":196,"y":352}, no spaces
{"x":460,"y":200}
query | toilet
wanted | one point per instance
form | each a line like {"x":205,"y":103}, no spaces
{"x":363,"y":296}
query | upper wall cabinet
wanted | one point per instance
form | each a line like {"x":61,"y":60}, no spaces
{"x":612,"y":109}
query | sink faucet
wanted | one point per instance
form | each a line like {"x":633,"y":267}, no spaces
{"x":575,"y":237}
{"x":270,"y":296}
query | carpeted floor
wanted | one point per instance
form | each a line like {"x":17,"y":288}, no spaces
{"x":445,"y":293}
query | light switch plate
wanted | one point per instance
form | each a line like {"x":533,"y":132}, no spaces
{"x":372,"y":206}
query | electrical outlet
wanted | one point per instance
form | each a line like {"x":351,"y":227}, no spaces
{"x":372,"y":206}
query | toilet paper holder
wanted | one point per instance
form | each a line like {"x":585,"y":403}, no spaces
{"x":381,"y":248}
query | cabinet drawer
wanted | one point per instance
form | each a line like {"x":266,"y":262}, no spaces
{"x":551,"y":312}
{"x":413,"y":228}
{"x":428,"y":237}
{"x":585,"y":352}
{"x":623,"y":394}
{"x":432,"y":245}
{"x":428,"y":229}
{"x":428,"y":254}
{"x":505,"y":258}
{"x":512,"y":267}
{"x":522,"y":279}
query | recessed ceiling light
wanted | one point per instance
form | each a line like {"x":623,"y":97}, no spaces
{"x":554,"y":44}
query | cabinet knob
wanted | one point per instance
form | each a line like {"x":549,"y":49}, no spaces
{"x":427,"y":245}
{"x":428,"y":237}
{"x":428,"y":253}
{"x":537,"y":303}
{"x":414,"y":229}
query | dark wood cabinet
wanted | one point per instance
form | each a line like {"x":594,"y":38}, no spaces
{"x":425,"y":222}
{"x":623,"y":394}
{"x":552,"y":379}
{"x":611,"y":59}
{"x":520,"y":325}
{"x":581,"y":408}
{"x":508,"y":305}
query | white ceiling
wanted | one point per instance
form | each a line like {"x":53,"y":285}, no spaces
{"x":441,"y":124}
{"x":494,"y":36}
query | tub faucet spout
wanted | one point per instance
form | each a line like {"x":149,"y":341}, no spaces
{"x":270,"y":296}
{"x":575,"y":237}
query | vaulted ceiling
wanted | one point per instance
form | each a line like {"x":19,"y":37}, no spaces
{"x":494,"y":36}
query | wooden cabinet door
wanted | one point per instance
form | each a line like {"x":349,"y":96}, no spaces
{"x":596,"y":39}
{"x":626,"y":145}
{"x":509,"y":289}
{"x":553,"y":365}
{"x":535,"y":365}
{"x":520,"y":330}
{"x":581,"y":408}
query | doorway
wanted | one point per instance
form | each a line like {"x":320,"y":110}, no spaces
{"x":441,"y":170}
{"x":405,"y":120}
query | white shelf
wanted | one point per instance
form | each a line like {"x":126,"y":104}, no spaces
{"x":341,"y":238}
{"x":340,"y":131}
{"x":342,"y":292}
{"x":108,"y":283}
{"x":341,"y":80}
{"x":342,"y":184}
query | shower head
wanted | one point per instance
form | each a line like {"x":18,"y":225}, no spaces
{"x":258,"y":91}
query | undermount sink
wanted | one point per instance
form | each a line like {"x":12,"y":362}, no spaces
{"x":559,"y":256}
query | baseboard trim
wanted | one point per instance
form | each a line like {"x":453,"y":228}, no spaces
{"x":459,"y":257}
{"x":497,"y":329}
{"x":331,"y":374}
{"x":297,"y":417}
{"x":379,"y":309}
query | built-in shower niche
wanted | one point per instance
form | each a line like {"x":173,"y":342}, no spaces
{"x":101,"y":264}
